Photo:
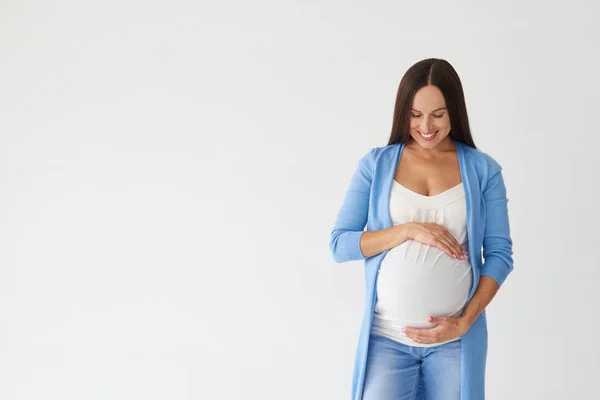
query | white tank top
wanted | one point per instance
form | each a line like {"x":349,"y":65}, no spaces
{"x":417,"y":280}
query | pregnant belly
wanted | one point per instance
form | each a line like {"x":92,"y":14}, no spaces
{"x":417,"y":281}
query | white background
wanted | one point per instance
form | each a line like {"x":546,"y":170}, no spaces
{"x":170,"y":173}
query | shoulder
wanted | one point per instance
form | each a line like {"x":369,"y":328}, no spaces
{"x":376,"y":154}
{"x":370,"y":158}
{"x":486,"y":165}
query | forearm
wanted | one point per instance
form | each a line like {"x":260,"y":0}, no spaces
{"x":375,"y":242}
{"x":485,"y":292}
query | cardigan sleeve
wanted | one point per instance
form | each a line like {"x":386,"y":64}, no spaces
{"x":352,"y":217}
{"x":497,"y":243}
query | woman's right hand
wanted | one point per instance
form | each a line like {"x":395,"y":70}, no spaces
{"x":435,"y":235}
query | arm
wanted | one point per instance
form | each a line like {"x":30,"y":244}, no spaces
{"x":349,"y":241}
{"x":485,"y":292}
{"x":497,"y":247}
{"x":375,"y":242}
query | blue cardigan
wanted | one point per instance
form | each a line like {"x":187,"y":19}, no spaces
{"x":366,"y":202}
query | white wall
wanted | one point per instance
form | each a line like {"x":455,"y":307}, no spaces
{"x":170,"y":173}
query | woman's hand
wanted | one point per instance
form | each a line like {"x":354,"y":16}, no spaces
{"x":436,"y":235}
{"x":447,"y":328}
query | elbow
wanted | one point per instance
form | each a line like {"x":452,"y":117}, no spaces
{"x":333,"y":249}
{"x":497,"y":254}
{"x":498,"y":264}
{"x":344,"y":245}
{"x":337,"y":257}
{"x":337,"y":248}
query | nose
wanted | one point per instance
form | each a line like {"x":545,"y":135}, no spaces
{"x":425,"y":124}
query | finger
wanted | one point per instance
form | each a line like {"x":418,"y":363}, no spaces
{"x":460,"y":249}
{"x":453,"y":243}
{"x":451,"y":240}
{"x":437,"y":320}
{"x":456,"y":247}
{"x":414,"y":339}
{"x":422,"y":339}
{"x":444,"y":245}
{"x":446,"y":249}
{"x":412,"y":331}
{"x":424,"y":332}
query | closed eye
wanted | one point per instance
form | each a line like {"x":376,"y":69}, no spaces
{"x":418,"y":116}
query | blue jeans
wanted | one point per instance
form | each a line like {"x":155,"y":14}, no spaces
{"x":395,"y":370}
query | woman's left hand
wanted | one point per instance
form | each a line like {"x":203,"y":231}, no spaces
{"x":447,"y":328}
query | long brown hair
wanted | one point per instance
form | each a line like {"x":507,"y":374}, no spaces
{"x":436,"y":72}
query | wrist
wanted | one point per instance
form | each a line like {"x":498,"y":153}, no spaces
{"x":465,"y":323}
{"x":406,"y":231}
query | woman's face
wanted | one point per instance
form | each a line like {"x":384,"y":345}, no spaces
{"x":429,"y":120}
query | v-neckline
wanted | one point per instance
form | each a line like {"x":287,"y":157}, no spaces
{"x":444,"y":193}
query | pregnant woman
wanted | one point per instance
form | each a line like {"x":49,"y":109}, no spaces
{"x":431,"y":201}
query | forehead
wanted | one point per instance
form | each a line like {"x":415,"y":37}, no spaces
{"x":428,"y":98}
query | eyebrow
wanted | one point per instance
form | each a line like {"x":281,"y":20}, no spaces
{"x":443,"y":108}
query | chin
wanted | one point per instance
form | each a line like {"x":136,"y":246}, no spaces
{"x":438,"y":138}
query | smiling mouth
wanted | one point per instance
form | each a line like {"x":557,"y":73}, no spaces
{"x":428,"y":135}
